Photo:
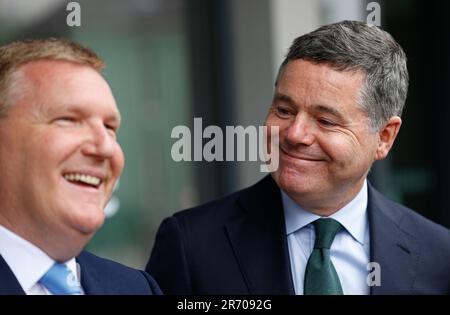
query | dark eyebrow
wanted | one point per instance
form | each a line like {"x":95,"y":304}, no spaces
{"x":317,"y":108}
{"x":283,"y":97}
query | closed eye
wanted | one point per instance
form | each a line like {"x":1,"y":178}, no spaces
{"x":326,"y":122}
{"x":65,"y":120}
{"x":112,"y":129}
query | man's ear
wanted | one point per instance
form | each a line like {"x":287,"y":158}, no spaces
{"x":387,"y":135}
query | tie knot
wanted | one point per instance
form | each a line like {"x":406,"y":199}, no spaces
{"x":326,"y":230}
{"x":60,"y":280}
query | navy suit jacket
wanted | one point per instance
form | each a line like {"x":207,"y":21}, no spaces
{"x":238,"y":245}
{"x":98,"y":276}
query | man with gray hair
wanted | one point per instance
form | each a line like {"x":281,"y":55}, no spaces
{"x":316,"y":226}
{"x":59,"y":162}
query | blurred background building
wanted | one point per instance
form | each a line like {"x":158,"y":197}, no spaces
{"x":169,"y":61}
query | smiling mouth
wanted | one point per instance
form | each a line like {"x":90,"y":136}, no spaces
{"x":300,"y":157}
{"x":83,"y":179}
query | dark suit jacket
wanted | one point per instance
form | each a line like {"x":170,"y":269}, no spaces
{"x":98,"y":276}
{"x":238,"y":245}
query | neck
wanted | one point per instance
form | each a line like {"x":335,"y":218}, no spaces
{"x":332,"y":203}
{"x":59,"y":247}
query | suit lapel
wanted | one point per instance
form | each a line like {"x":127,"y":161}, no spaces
{"x":258,"y":238}
{"x":89,"y":278}
{"x":8,"y":282}
{"x":90,"y":281}
{"x":395,"y":250}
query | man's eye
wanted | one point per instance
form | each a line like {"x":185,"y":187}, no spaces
{"x":326,"y":122}
{"x":114,"y":126}
{"x":112,"y":129}
{"x":65,"y":120}
{"x":282,"y":112}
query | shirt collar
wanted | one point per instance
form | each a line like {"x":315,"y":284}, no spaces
{"x":353,"y":216}
{"x":28,"y":262}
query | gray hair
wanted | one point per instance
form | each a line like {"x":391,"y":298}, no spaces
{"x":357,"y":46}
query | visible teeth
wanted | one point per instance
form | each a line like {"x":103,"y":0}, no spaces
{"x":87,"y":179}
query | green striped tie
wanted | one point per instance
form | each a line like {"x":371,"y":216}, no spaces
{"x":320,"y":276}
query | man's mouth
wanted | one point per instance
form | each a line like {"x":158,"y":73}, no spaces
{"x":301,"y":156}
{"x":83,"y":179}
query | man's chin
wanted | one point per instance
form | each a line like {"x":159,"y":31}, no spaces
{"x":295,"y":186}
{"x":87,"y":225}
{"x":91,"y":228}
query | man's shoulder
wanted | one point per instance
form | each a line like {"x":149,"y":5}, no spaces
{"x":232,"y":205}
{"x":116,"y":275}
{"x":425,"y":229}
{"x":410,"y":221}
{"x":214,"y":207}
{"x":105,"y":264}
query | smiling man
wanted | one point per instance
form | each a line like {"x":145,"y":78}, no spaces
{"x":59,"y":162}
{"x":316,"y":226}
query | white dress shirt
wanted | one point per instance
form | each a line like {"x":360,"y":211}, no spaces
{"x":349,"y":251}
{"x":28,"y":262}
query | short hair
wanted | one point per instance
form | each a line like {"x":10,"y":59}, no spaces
{"x":19,"y":53}
{"x":357,"y":46}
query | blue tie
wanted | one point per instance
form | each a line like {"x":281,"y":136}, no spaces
{"x":59,"y":280}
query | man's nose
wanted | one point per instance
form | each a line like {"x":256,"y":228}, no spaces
{"x":101,"y":143}
{"x":300,"y":131}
